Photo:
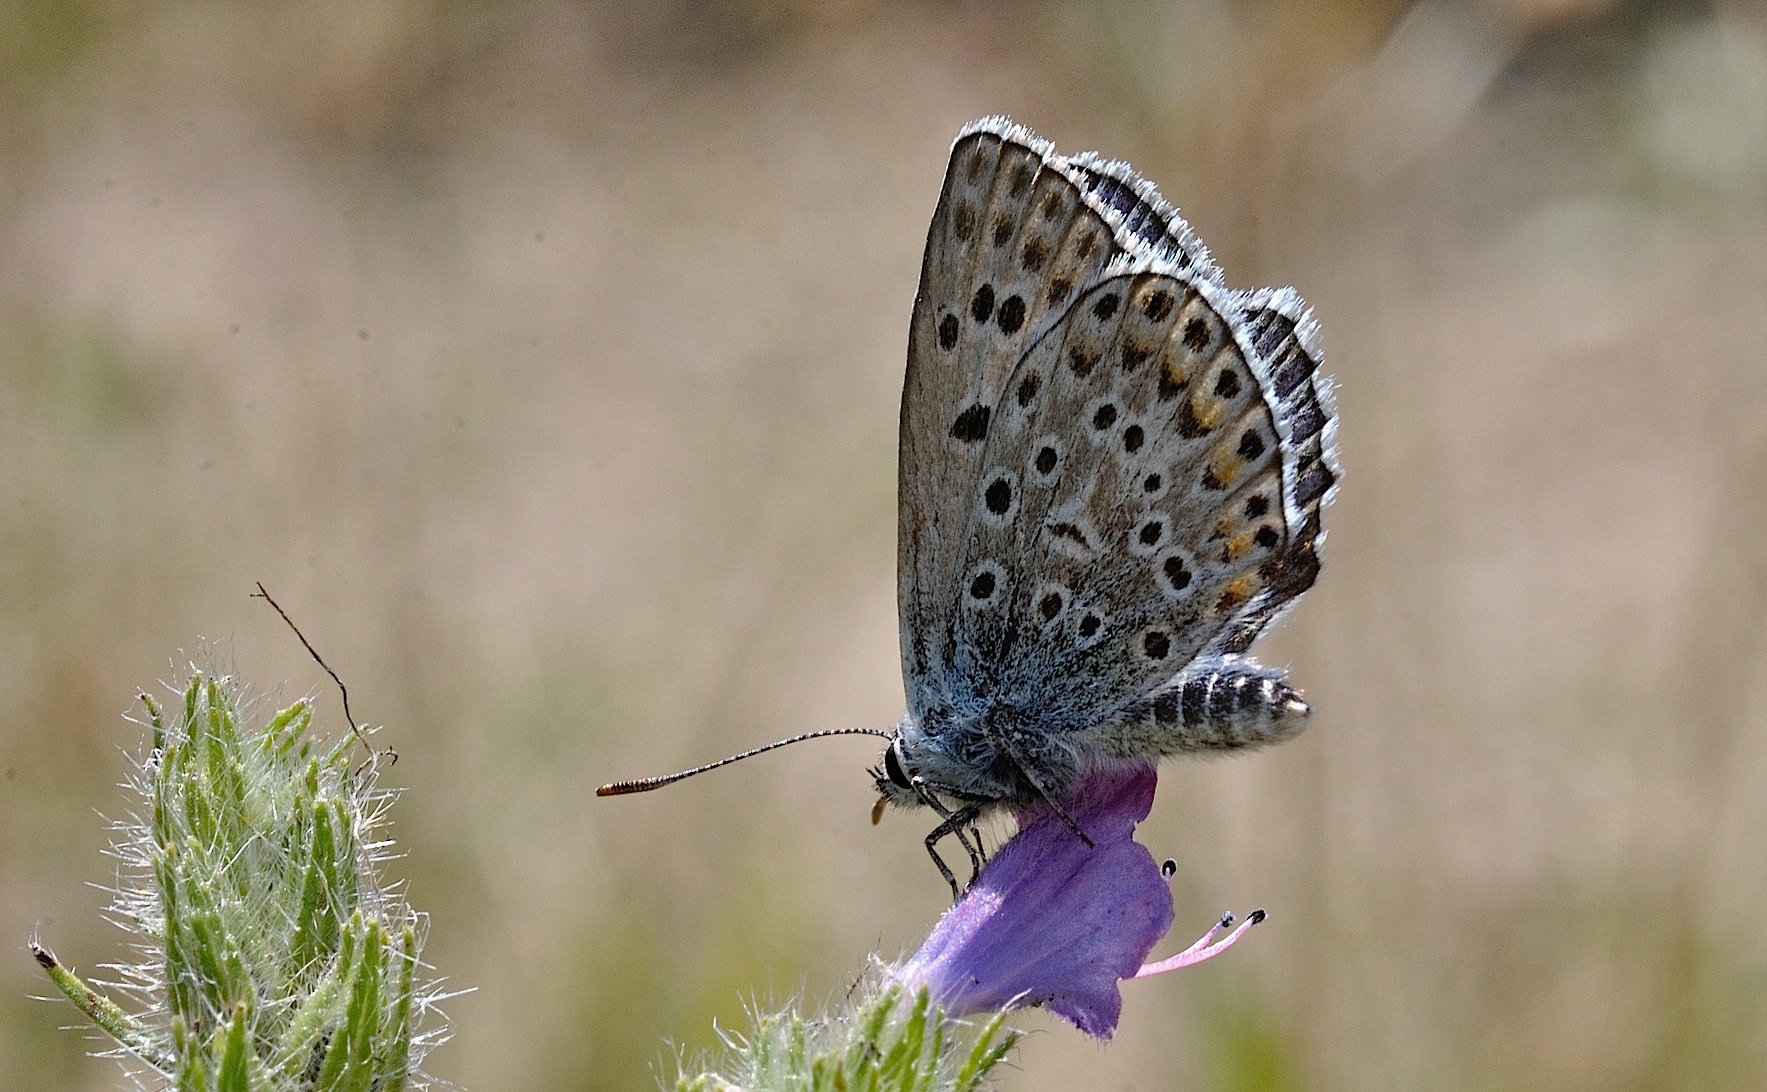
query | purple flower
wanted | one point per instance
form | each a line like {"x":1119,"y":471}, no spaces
{"x":1053,"y":921}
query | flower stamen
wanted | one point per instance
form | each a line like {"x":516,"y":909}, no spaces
{"x":1206,"y":947}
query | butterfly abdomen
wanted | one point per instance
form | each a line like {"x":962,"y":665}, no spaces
{"x":1218,"y":704}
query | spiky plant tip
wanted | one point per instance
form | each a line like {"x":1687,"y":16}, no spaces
{"x":270,"y":952}
{"x":884,"y":1036}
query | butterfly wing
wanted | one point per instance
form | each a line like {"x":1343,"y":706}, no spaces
{"x":1017,"y":234}
{"x":1104,"y":452}
{"x":995,"y":274}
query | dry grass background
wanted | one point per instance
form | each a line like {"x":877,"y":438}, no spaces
{"x":544,"y":359}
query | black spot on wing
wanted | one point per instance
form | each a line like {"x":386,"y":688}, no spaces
{"x":963,"y":222}
{"x":999,"y":496}
{"x":1196,"y":335}
{"x":1012,"y":314}
{"x":1063,"y":529}
{"x":981,"y":305}
{"x":948,"y":332}
{"x":972,"y":424}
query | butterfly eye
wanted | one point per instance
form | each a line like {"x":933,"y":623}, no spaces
{"x":893,"y":767}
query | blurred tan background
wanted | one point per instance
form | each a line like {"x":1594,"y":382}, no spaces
{"x":543,"y":360}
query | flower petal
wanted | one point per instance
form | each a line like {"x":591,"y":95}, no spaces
{"x":1053,"y":921}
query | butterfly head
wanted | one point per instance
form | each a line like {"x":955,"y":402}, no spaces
{"x":895,"y":775}
{"x":949,"y":761}
{"x":920,"y":767}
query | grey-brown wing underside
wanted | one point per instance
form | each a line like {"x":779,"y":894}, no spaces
{"x":1017,"y":235}
{"x":1129,"y":510}
{"x":1099,"y":461}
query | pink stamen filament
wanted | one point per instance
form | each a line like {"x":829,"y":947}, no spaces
{"x":1205,"y":948}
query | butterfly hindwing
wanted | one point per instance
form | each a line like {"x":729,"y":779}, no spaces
{"x":1283,"y":338}
{"x":1126,"y":512}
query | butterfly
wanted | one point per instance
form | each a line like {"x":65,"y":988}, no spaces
{"x":1112,"y":472}
{"x":1112,"y":469}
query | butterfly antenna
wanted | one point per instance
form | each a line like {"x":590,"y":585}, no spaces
{"x":645,"y":784}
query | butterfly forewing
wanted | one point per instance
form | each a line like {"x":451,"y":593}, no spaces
{"x":1010,"y":245}
{"x":1142,"y":220}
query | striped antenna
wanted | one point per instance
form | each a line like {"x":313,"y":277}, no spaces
{"x":645,"y":784}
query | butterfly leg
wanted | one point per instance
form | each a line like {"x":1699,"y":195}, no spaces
{"x":953,"y":823}
{"x":954,"y":826}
